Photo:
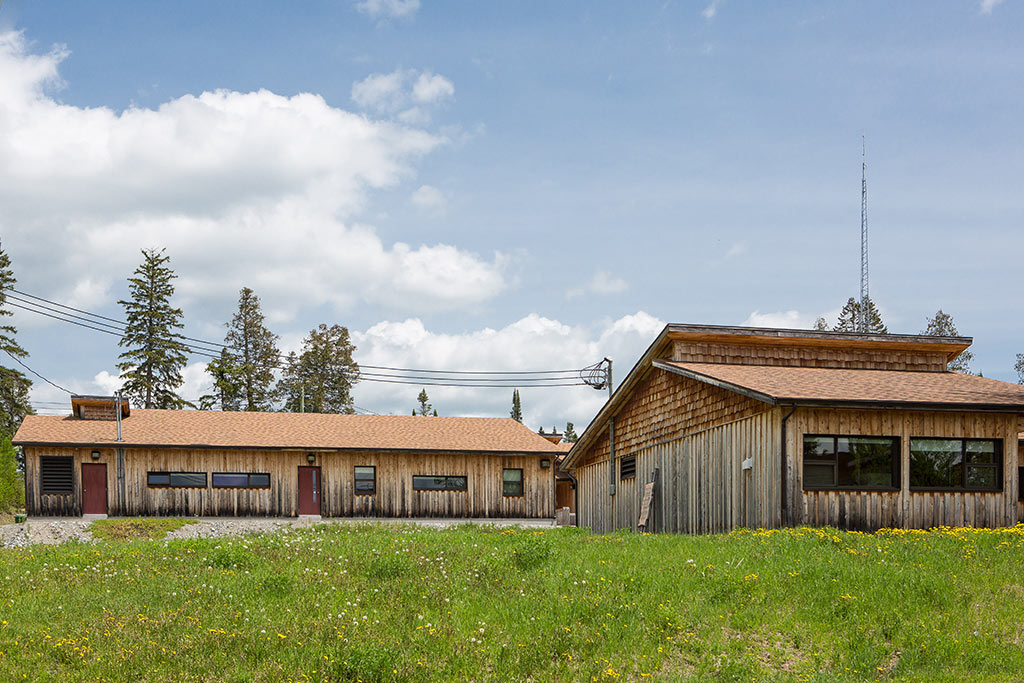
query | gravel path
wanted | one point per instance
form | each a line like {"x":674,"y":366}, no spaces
{"x":54,"y":530}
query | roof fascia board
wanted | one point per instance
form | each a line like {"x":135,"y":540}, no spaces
{"x":721,"y":384}
{"x":318,"y":449}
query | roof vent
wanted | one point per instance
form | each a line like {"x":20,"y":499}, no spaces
{"x":98,"y":407}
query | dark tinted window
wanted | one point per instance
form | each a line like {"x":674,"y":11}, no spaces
{"x":158,"y":479}
{"x":365,"y":479}
{"x":187,"y":480}
{"x":56,"y":474}
{"x":512,"y":482}
{"x":965,"y":464}
{"x":259,"y":481}
{"x":852,"y":462}
{"x":438,"y":483}
{"x":223,"y":480}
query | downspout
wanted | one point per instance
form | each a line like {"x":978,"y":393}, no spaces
{"x":782,"y":491}
{"x":611,"y":473}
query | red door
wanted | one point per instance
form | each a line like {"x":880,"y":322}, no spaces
{"x":94,"y":489}
{"x":309,"y":490}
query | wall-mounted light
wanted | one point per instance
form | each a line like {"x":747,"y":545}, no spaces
{"x":95,"y":455}
{"x":311,"y":458}
{"x":545,"y":463}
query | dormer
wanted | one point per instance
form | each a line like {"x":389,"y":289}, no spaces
{"x":98,"y":407}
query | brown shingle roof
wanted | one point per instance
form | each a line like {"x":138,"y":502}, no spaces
{"x":302,"y":431}
{"x":838,"y":386}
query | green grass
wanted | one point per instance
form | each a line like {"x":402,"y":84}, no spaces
{"x":135,"y":528}
{"x":395,"y":603}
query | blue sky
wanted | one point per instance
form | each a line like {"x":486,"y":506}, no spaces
{"x":507,"y":185}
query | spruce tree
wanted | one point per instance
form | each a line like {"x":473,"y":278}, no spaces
{"x":942,"y":325}
{"x":849,"y":318}
{"x":255,"y":353}
{"x":154,"y":357}
{"x":424,"y":401}
{"x":570,"y":434}
{"x":322,"y":375}
{"x":821,"y":325}
{"x":517,"y":409}
{"x":226,"y":390}
{"x":1019,"y":367}
{"x":14,"y":385}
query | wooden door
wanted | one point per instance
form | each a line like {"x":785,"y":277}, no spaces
{"x":94,"y":489}
{"x":310,"y":486}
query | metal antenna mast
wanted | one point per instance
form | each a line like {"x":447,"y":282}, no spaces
{"x":862,"y":319}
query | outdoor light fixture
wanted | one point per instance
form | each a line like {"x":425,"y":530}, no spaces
{"x":95,"y":455}
{"x":311,"y":458}
{"x":545,"y":463}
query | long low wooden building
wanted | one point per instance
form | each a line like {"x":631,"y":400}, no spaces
{"x":753,"y":427}
{"x":173,"y":462}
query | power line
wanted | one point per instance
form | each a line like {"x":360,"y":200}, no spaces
{"x":53,"y":384}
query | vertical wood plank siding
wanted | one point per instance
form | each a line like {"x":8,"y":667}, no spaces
{"x":806,"y":356}
{"x":394,"y":497}
{"x":869,"y":510}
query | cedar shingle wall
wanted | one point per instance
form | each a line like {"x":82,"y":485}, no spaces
{"x":806,"y":356}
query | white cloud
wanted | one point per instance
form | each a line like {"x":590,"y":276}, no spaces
{"x":405,"y":94}
{"x":986,"y":6}
{"x":429,"y":199}
{"x":787,"y":319}
{"x":397,"y":9}
{"x":711,"y":10}
{"x":601,"y":283}
{"x":250,"y":189}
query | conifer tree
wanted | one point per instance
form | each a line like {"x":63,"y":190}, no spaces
{"x":226,"y":391}
{"x":322,"y":375}
{"x":1019,"y":367}
{"x":255,"y":353}
{"x":942,"y":325}
{"x":154,"y":357}
{"x":12,"y":488}
{"x":821,"y":325}
{"x":14,"y":385}
{"x":517,"y":409}
{"x":570,"y":434}
{"x":849,"y":318}
{"x":435,"y":412}
{"x":425,"y":406}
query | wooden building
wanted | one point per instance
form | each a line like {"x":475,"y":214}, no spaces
{"x":751,"y":427}
{"x":175,"y":462}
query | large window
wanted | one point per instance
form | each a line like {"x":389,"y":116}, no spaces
{"x":851,"y":462}
{"x":184,"y":480}
{"x":366,"y":480}
{"x":956,"y":464}
{"x":438,"y":483}
{"x":56,"y":474}
{"x":240,"y":480}
{"x":512,"y":482}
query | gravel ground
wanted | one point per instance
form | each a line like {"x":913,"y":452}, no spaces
{"x":53,"y":530}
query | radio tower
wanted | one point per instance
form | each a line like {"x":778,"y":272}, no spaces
{"x":862,"y":319}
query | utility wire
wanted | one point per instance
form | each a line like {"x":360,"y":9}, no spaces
{"x":53,"y":384}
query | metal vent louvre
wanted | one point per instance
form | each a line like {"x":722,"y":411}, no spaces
{"x":627,"y":468}
{"x":56,"y":474}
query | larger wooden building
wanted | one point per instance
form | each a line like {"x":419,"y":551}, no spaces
{"x":749,"y":427}
{"x":174,"y":462}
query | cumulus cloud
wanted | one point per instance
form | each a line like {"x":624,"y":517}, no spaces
{"x":601,"y":283}
{"x":398,"y":9}
{"x":429,"y":199}
{"x":253,"y":189}
{"x":405,"y":94}
{"x":986,"y":6}
{"x":787,"y":319}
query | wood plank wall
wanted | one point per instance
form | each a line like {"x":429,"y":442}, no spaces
{"x":869,"y":510}
{"x":395,"y":496}
{"x":806,"y":356}
{"x":702,"y":487}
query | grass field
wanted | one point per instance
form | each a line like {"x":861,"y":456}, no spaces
{"x":394,"y":603}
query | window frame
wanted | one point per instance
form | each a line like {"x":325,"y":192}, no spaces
{"x":356,"y":480}
{"x":170,"y":481}
{"x":447,"y":484}
{"x":964,"y":466}
{"x":247,"y":475}
{"x":897,"y":463}
{"x":521,"y":482}
{"x":627,"y":472}
{"x":47,"y":461}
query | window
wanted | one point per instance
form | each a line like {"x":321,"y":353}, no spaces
{"x":184,"y":480}
{"x":422,"y":482}
{"x":851,"y":462}
{"x":366,"y":480}
{"x":627,"y":468}
{"x":964,"y":464}
{"x":56,"y":475}
{"x":240,"y":480}
{"x":512,"y":482}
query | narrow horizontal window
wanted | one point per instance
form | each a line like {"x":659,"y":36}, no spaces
{"x":627,"y":467}
{"x":184,"y":480}
{"x":241,"y":480}
{"x":56,"y":475}
{"x":365,"y":477}
{"x":422,"y":482}
{"x":512,"y":482}
{"x":956,"y":464}
{"x":851,"y":462}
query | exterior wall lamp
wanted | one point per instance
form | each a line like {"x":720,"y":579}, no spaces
{"x":545,"y":463}
{"x":311,"y":458}
{"x":95,"y":455}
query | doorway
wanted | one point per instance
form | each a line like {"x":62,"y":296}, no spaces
{"x":94,"y":489}
{"x":310,"y":485}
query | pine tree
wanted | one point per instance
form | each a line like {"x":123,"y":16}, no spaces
{"x":942,"y":325}
{"x":152,"y":364}
{"x":254,"y":348}
{"x":821,"y":325}
{"x":570,"y":434}
{"x":226,"y":392}
{"x":1019,"y":367}
{"x":14,"y":385}
{"x":435,"y":412}
{"x":425,"y":406}
{"x":849,"y":318}
{"x":322,"y":375}
{"x":517,"y":409}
